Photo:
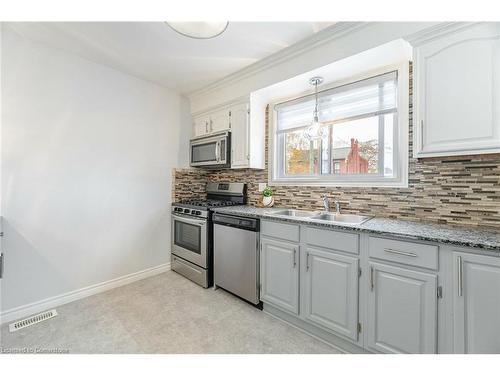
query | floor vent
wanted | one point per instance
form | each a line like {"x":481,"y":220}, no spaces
{"x":32,"y":320}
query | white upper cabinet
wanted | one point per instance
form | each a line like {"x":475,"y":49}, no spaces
{"x":457,"y":91}
{"x":201,"y":126}
{"x":219,"y":121}
{"x":240,"y":136}
{"x":247,"y":138}
{"x":210,"y":123}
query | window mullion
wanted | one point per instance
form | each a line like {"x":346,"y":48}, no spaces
{"x":330,"y":141}
{"x":381,"y":129}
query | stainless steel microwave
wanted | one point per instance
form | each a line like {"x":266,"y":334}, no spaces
{"x":212,"y":151}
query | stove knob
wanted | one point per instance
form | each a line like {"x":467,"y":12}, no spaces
{"x":186,"y":211}
{"x":197,"y":212}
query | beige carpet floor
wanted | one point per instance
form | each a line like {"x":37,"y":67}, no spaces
{"x":163,"y":314}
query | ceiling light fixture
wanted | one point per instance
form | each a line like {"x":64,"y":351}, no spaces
{"x":315,"y":130}
{"x":199,"y":30}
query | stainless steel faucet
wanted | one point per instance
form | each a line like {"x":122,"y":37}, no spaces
{"x":326,"y":203}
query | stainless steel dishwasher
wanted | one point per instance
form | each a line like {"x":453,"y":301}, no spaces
{"x":236,"y":255}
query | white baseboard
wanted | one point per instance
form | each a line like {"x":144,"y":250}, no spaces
{"x":49,"y":303}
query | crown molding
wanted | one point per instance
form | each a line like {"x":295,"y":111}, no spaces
{"x":433,"y":32}
{"x":333,"y":32}
{"x":225,"y":105}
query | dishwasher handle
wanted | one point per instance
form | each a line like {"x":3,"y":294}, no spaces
{"x":244,"y":223}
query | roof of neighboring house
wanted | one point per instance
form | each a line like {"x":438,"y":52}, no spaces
{"x":340,"y":153}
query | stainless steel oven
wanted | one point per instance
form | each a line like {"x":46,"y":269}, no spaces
{"x":211,"y":151}
{"x":189,"y":238}
{"x":192,"y":230}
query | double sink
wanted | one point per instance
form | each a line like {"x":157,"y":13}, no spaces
{"x":328,"y":217}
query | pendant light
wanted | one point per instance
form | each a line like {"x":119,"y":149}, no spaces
{"x":199,"y":30}
{"x":315,"y":130}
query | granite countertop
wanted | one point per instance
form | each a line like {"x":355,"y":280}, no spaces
{"x":460,"y":236}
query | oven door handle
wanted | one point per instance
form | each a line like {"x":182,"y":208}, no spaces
{"x":199,"y":222}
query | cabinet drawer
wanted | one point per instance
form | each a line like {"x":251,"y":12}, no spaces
{"x":289,"y":232}
{"x":330,"y":239}
{"x":413,"y":254}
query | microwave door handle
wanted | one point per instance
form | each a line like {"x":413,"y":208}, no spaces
{"x":217,"y":151}
{"x":222,"y":158}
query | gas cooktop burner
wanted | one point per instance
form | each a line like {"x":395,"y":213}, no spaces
{"x":207,"y":203}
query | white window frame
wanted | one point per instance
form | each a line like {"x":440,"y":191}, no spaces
{"x":400,"y":176}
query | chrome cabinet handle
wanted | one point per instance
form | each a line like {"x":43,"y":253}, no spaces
{"x":307,"y":261}
{"x":398,"y":252}
{"x":372,"y":283}
{"x":460,"y":276}
{"x":206,"y":126}
{"x":211,"y":127}
{"x":1,"y":265}
{"x":294,"y":258}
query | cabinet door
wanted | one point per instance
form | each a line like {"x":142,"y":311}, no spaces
{"x":402,"y":310}
{"x":219,"y":121}
{"x":200,"y":126}
{"x":240,"y":136}
{"x":330,"y":293}
{"x":280,"y":274}
{"x":457,"y":91}
{"x":476,"y":303}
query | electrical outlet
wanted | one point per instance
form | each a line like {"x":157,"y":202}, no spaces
{"x":262,"y":186}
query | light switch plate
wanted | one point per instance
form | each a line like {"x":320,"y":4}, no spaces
{"x":262,"y":186}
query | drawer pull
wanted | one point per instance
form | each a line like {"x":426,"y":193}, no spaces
{"x":392,"y":251}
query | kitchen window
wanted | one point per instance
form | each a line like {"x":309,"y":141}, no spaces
{"x":363,"y":139}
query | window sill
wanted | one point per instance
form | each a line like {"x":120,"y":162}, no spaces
{"x":331,"y":184}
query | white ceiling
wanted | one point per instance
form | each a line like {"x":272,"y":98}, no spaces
{"x":153,"y":51}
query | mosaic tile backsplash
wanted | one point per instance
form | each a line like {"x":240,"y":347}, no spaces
{"x":461,"y":190}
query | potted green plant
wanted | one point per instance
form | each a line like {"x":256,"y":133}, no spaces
{"x":267,"y":197}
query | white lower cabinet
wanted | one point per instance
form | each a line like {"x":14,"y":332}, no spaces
{"x":402,"y":310}
{"x":476,"y":303}
{"x":330,"y":290}
{"x":279,"y":272}
{"x":396,"y":293}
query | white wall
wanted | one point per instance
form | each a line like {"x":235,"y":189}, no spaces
{"x":1,"y":220}
{"x":87,"y":155}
